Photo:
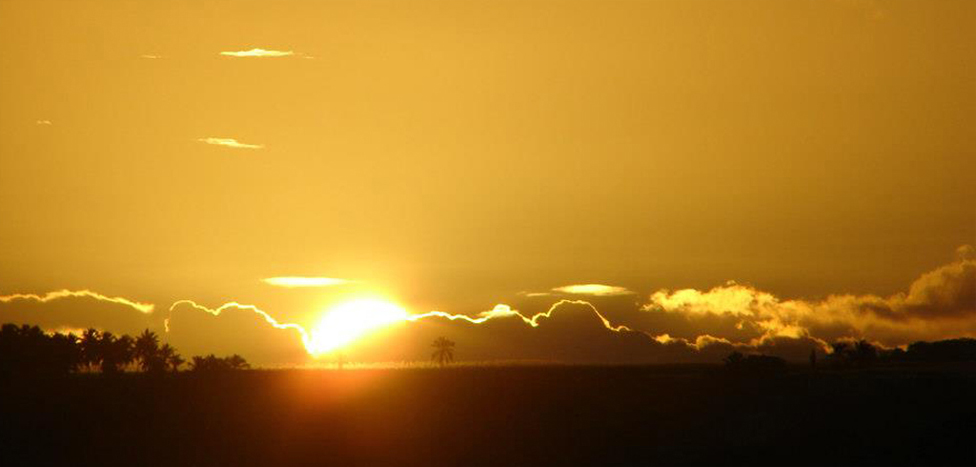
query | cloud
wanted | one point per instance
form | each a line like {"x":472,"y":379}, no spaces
{"x":150,"y":56}
{"x":43,"y":122}
{"x":598,"y":290}
{"x":505,"y":311}
{"x":235,"y":328}
{"x":258,"y":53}
{"x":965,"y":252}
{"x":64,"y":293}
{"x":939,"y":304}
{"x":74,"y":309}
{"x":299,"y":281}
{"x":230,"y":142}
{"x":686,"y":325}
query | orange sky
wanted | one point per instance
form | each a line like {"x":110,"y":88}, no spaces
{"x":455,"y":155}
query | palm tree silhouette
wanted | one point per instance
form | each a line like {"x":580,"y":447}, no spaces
{"x":91,"y":349}
{"x":444,"y":351}
{"x":115,"y":352}
{"x":171,"y":359}
{"x":146,"y":350}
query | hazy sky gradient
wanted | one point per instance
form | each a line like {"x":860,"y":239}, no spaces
{"x":450,"y":155}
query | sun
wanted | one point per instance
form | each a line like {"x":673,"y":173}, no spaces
{"x":348,"y":321}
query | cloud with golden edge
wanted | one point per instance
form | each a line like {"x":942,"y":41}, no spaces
{"x":258,"y":53}
{"x":64,"y":293}
{"x":230,"y":143}
{"x":44,"y":122}
{"x":300,"y":281}
{"x":505,"y":311}
{"x":940,"y":303}
{"x":234,"y":305}
{"x":150,"y":56}
{"x":597,"y":290}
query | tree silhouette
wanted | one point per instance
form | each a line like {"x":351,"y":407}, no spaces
{"x":171,"y":359}
{"x":115,"y":352}
{"x":90,"y":353}
{"x":734,"y":359}
{"x":865,"y":354}
{"x":444,"y":351}
{"x":146,"y":351}
{"x":861,"y":353}
{"x":27,"y":350}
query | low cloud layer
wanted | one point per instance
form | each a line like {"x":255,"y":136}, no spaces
{"x":940,"y":303}
{"x":685,"y":325}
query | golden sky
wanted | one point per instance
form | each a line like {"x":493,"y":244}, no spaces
{"x":456,"y":155}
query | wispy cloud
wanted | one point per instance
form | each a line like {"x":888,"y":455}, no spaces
{"x":535,"y":294}
{"x":150,"y":56}
{"x":230,"y":143}
{"x":598,"y":290}
{"x":143,"y":307}
{"x":298,"y":281}
{"x":44,"y":122}
{"x":258,"y":53}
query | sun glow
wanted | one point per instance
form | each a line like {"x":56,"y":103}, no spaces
{"x":347,"y":322}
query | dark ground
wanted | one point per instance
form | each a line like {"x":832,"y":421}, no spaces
{"x":495,"y":416}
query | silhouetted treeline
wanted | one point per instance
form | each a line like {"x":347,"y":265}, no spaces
{"x":28,"y":351}
{"x":214,"y":364}
{"x":857,"y":354}
{"x":862,"y":353}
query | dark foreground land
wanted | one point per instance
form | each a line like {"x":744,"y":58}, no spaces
{"x":495,"y":416}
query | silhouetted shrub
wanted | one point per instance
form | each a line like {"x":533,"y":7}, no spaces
{"x":214,"y":364}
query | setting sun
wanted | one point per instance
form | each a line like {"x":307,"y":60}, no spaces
{"x":348,"y":321}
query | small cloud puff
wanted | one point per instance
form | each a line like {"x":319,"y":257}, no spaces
{"x":965,"y":252}
{"x":258,"y":53}
{"x":230,"y":143}
{"x":150,"y":56}
{"x":598,"y":290}
{"x":44,"y":122}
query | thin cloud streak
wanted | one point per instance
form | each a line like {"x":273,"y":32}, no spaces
{"x":258,"y":53}
{"x":65,"y":293}
{"x":299,"y":281}
{"x":230,"y":143}
{"x":598,"y":290}
{"x":503,"y":311}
